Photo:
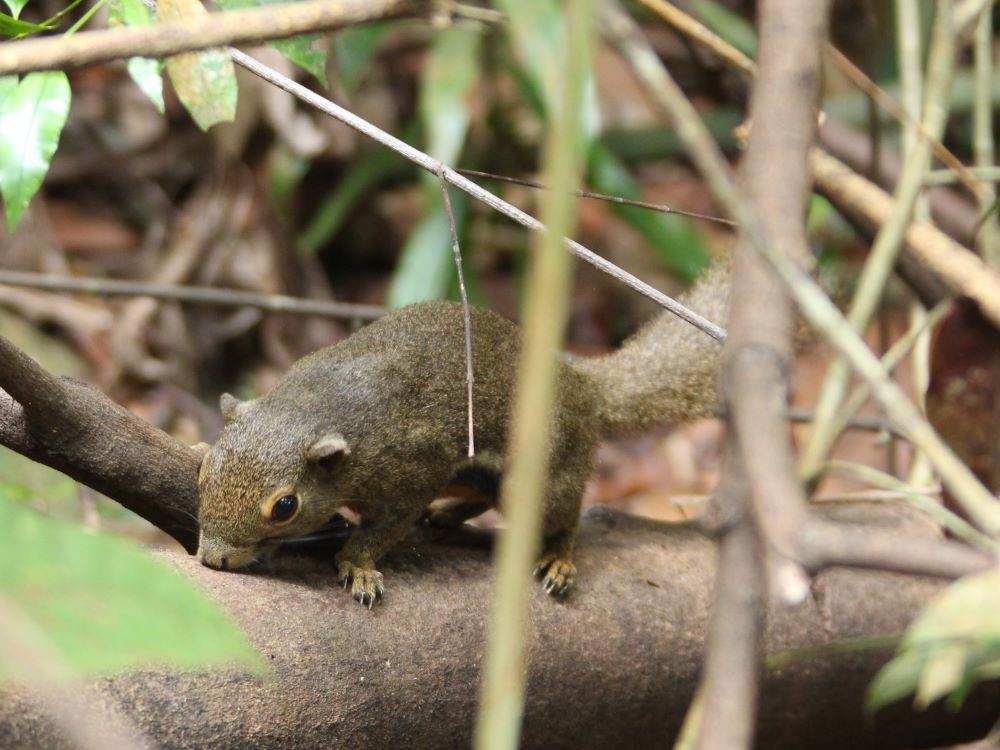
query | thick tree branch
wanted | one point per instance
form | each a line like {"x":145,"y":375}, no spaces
{"x":614,"y":666}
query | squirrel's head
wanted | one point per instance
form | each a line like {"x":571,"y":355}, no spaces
{"x":263,"y":480}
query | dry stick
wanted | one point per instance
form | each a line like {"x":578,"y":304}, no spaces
{"x":967,"y":13}
{"x":522,"y":498}
{"x":908,"y":45}
{"x":467,"y":318}
{"x":890,"y":359}
{"x":816,"y":307}
{"x":889,"y":240}
{"x":701,"y":34}
{"x":229,"y":27}
{"x":893,"y":107}
{"x":982,"y":132}
{"x":986,"y":173}
{"x":918,"y":498}
{"x":867,"y":422}
{"x":196,"y":294}
{"x":962,"y":271}
{"x":600,"y":196}
{"x":462,"y":183}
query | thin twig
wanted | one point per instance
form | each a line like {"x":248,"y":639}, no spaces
{"x":522,"y":494}
{"x":968,"y":13}
{"x":229,"y":27}
{"x":919,"y":499}
{"x":982,"y":133}
{"x":617,"y":199}
{"x":985,"y":172}
{"x":867,"y":422}
{"x":888,"y":241}
{"x":701,"y":34}
{"x":894,"y":108}
{"x":889,"y":360}
{"x":463,"y":183}
{"x":204,"y":295}
{"x":467,"y":317}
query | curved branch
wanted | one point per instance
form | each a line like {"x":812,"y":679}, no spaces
{"x":71,"y":426}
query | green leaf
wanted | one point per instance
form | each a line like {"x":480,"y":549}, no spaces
{"x":951,"y":644}
{"x":355,"y":48}
{"x":10,"y":26}
{"x":729,"y":25}
{"x":426,"y":265}
{"x":943,"y":672}
{"x":350,"y":189}
{"x":105,"y":605}
{"x":674,"y":238}
{"x":539,"y":37}
{"x":450,"y":77}
{"x":307,"y":50}
{"x":32,"y":115}
{"x":895,"y":680}
{"x":16,"y":6}
{"x":145,"y":72}
{"x":205,"y":81}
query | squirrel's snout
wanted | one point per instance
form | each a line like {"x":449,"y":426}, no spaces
{"x":221,"y":556}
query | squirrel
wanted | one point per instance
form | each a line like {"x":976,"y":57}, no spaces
{"x":377,"y":423}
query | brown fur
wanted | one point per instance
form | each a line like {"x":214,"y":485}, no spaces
{"x":378,"y":423}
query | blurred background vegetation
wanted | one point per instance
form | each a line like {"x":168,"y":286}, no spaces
{"x":285,"y":200}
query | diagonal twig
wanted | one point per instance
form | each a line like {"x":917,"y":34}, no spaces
{"x":617,"y":199}
{"x":463,"y":183}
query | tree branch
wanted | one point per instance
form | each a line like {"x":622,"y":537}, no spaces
{"x":73,"y":427}
{"x":228,"y":27}
{"x":204,"y":295}
{"x":613,"y":666}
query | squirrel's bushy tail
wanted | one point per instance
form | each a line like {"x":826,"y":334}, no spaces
{"x":666,"y":371}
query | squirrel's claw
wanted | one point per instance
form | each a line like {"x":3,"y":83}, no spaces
{"x":557,"y":575}
{"x":366,"y":584}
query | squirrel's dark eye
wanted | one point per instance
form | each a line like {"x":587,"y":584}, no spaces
{"x":284,"y":508}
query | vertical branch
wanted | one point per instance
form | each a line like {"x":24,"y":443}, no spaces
{"x":726,"y":702}
{"x":908,"y":44}
{"x":889,"y":240}
{"x":760,"y":491}
{"x":982,"y":131}
{"x":502,"y":703}
{"x":467,"y":318}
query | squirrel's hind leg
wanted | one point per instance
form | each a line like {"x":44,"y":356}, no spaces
{"x":555,"y":566}
{"x":562,"y":516}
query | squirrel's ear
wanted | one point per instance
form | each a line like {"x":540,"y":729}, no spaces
{"x":329,"y":452}
{"x":232,"y":408}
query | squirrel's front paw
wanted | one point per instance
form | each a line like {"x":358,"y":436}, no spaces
{"x":366,"y":583}
{"x":557,"y":574}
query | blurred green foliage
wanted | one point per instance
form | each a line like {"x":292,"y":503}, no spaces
{"x":104,"y":605}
